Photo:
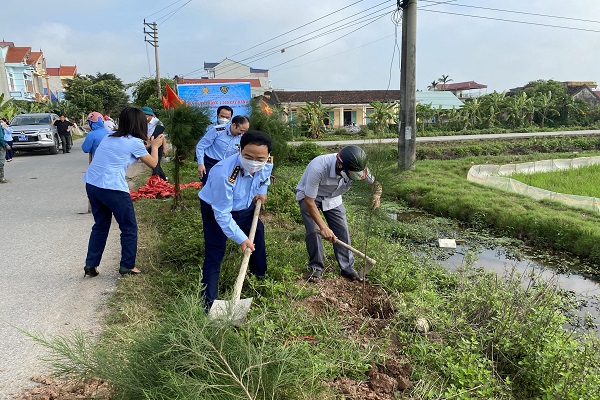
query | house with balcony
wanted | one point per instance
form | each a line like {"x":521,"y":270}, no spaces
{"x":229,"y":71}
{"x":351,"y":107}
{"x":21,"y":75}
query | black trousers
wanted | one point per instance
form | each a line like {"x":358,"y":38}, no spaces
{"x":65,"y":139}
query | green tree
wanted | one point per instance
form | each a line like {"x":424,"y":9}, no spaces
{"x":104,"y":93}
{"x":444,"y":80}
{"x":383,"y":114}
{"x":312,"y":116}
{"x":425,"y":113}
{"x":493,"y":106}
{"x":145,"y":88}
{"x":185,"y":125}
{"x":8,"y":108}
{"x":545,"y":107}
{"x":433,"y":85}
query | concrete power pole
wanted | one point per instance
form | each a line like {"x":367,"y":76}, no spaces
{"x":407,"y":129}
{"x":153,"y":40}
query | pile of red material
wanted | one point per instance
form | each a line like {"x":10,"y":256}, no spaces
{"x":158,"y":187}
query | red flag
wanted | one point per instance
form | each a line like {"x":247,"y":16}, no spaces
{"x":265,"y":108}
{"x":172,"y":99}
{"x":165,"y":103}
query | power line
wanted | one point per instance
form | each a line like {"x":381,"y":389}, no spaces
{"x":173,"y":13}
{"x":334,"y":55}
{"x":345,"y":25}
{"x":170,"y":5}
{"x":522,"y":12}
{"x":295,"y":29}
{"x":278,"y":48}
{"x":515,"y":21}
{"x":326,"y":44}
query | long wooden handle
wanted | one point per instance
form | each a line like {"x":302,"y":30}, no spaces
{"x":237,"y":289}
{"x":355,"y":251}
{"x":352,"y":249}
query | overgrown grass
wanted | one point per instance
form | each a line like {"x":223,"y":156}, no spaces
{"x":491,"y":337}
{"x":578,"y":181}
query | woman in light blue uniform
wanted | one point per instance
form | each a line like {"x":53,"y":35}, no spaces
{"x":108,"y":191}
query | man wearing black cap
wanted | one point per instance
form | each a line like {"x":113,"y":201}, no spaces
{"x":324,"y":181}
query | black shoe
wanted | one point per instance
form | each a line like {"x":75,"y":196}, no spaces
{"x":352,"y":275}
{"x":91,"y":271}
{"x":68,"y":151}
{"x":313,"y":275}
{"x":128,"y":271}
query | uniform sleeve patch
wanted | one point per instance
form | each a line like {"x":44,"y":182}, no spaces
{"x":234,"y":174}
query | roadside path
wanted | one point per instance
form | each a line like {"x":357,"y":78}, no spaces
{"x":45,"y":228}
{"x":334,"y":143}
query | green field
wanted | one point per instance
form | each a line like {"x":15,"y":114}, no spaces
{"x":579,"y":181}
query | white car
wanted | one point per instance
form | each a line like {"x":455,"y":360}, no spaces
{"x":35,"y":132}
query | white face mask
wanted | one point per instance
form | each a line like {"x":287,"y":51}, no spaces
{"x":251,"y":165}
{"x":222,"y":121}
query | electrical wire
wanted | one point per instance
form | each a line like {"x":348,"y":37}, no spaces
{"x":172,"y":13}
{"x":326,"y":44}
{"x":397,"y":21}
{"x":148,"y":58}
{"x":522,"y":12}
{"x":170,"y":5}
{"x":516,"y":21}
{"x":334,"y":55}
{"x":295,"y":29}
{"x":277,"y":49}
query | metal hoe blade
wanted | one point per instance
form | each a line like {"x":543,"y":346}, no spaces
{"x":235,"y":310}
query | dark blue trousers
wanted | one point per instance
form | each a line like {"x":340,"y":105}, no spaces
{"x":106,"y":203}
{"x":214,"y":248}
{"x":208,"y":164}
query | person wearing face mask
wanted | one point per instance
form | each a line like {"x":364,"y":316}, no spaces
{"x":155,"y":128}
{"x":324,"y":181}
{"x":219,"y":142}
{"x":227,"y":204}
{"x":224,"y":114}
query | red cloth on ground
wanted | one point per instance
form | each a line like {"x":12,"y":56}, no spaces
{"x":158,"y":187}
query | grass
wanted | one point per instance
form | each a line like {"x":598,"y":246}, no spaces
{"x":578,"y":181}
{"x":491,"y":337}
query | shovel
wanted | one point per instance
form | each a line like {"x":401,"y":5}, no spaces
{"x":359,"y":253}
{"x":236,"y":309}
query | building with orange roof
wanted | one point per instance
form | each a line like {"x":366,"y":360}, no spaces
{"x":24,"y":75}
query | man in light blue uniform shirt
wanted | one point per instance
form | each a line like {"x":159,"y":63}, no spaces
{"x":227,"y":205}
{"x":220,"y":142}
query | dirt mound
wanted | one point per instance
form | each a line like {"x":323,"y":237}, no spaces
{"x":50,"y":389}
{"x":367,"y":311}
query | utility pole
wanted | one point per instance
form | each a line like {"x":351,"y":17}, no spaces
{"x":153,"y":40}
{"x":407,"y":129}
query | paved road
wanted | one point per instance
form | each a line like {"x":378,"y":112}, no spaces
{"x":44,"y":229}
{"x":334,"y":143}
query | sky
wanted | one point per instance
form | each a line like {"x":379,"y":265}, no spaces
{"x":347,"y":45}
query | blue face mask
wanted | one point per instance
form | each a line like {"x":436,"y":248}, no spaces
{"x":89,"y":123}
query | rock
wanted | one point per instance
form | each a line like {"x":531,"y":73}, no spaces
{"x":422,"y":325}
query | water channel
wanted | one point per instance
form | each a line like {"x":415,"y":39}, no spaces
{"x":563,"y":271}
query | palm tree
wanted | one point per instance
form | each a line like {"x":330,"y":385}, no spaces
{"x":313,"y":115}
{"x":382,"y":114}
{"x":443,"y":80}
{"x":545,"y":107}
{"x":433,"y":85}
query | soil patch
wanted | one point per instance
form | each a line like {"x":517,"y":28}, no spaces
{"x":50,"y":389}
{"x":367,"y":311}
